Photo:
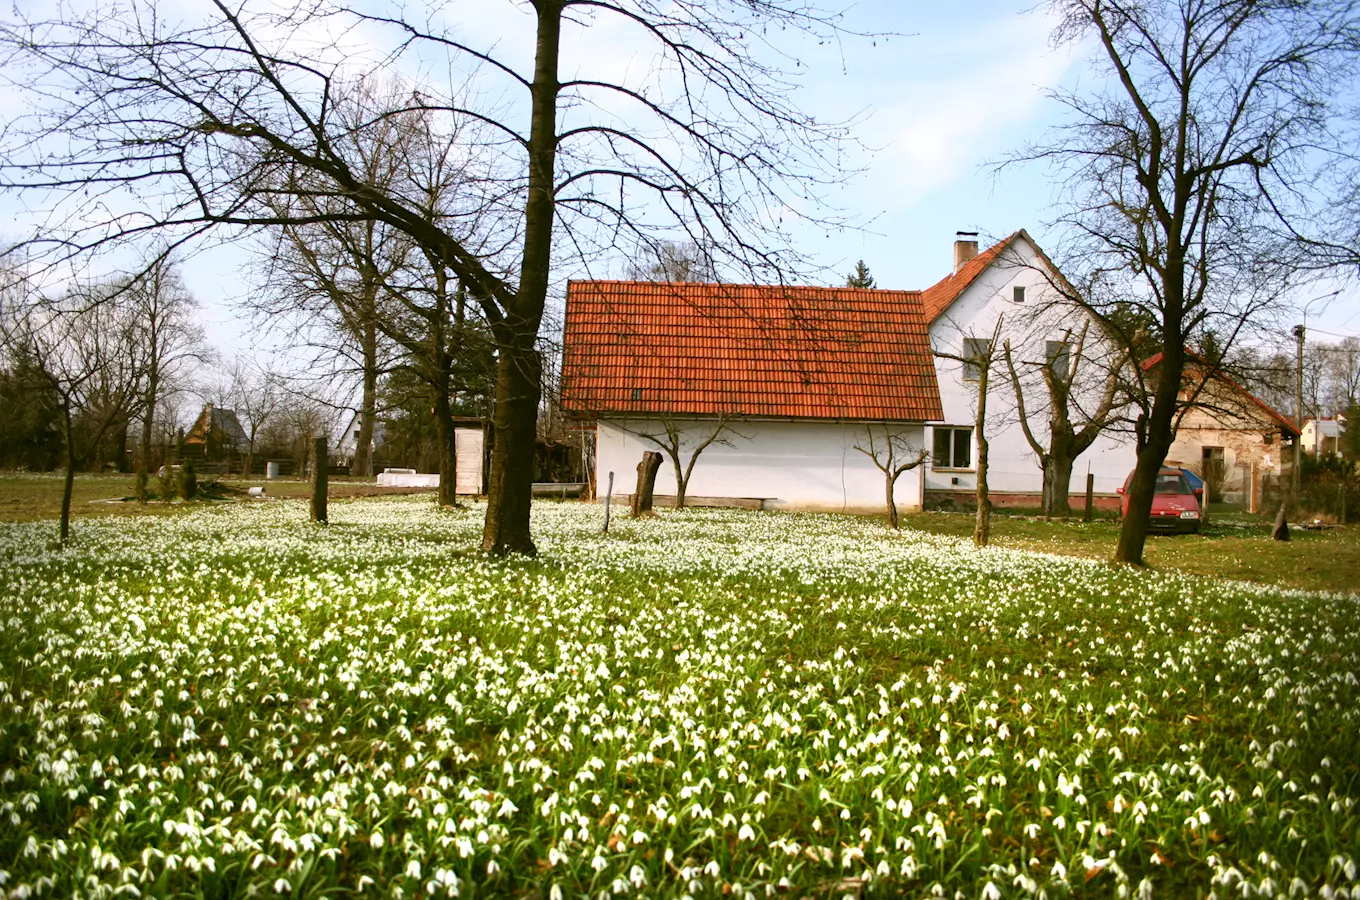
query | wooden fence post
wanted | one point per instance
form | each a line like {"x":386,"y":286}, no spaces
{"x":320,"y":473}
{"x":608,"y":497}
{"x":1090,"y":496}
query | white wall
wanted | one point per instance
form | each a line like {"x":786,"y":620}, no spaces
{"x":1012,"y":463}
{"x":795,"y":465}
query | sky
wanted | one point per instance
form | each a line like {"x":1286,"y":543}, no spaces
{"x":953,"y":91}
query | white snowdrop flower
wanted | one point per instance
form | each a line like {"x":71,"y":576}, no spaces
{"x":375,"y":840}
{"x":637,"y":876}
{"x":413,"y":868}
{"x":746,"y":833}
{"x":555,"y":892}
{"x":1059,"y":822}
{"x":991,"y":892}
{"x":281,"y":886}
{"x":1059,"y":870}
{"x":712,"y":868}
{"x":1145,"y":889}
{"x":492,"y":867}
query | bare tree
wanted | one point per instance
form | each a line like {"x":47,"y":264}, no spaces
{"x":1179,"y":173}
{"x":162,"y":311}
{"x":1066,"y":440}
{"x":190,"y":127}
{"x":894,"y":456}
{"x":89,"y":357}
{"x":676,"y":443}
{"x":675,"y":261}
{"x":257,"y":393}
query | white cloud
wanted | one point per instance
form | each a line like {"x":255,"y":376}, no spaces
{"x":958,"y":102}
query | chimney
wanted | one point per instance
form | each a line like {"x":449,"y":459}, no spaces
{"x":965,"y":247}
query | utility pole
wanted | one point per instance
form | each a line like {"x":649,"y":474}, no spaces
{"x":1299,"y":332}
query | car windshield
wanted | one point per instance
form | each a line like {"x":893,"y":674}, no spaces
{"x":1172,"y":483}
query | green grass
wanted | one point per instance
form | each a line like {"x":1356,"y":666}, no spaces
{"x":33,"y":497}
{"x":235,"y":702}
{"x":1233,"y":546}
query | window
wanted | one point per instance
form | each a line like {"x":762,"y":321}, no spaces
{"x":1018,"y":293}
{"x":1057,"y":354}
{"x":953,"y":448}
{"x":976,"y":351}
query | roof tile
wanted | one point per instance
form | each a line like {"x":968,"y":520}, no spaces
{"x":747,"y":350}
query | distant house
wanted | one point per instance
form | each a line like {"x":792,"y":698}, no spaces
{"x":348,"y":445}
{"x":798,"y":374}
{"x":1323,"y":435}
{"x":1227,"y":435}
{"x":1011,"y":281}
{"x":216,"y":435}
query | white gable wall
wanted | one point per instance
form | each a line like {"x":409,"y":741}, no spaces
{"x":1013,"y":466}
{"x":803,"y":465}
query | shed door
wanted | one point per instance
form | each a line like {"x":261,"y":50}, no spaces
{"x":469,"y":445}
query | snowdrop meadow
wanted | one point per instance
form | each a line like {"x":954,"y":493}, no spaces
{"x":234,"y":702}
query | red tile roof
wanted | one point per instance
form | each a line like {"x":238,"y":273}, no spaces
{"x":744,"y":350}
{"x":940,"y":296}
{"x":1194,"y":362}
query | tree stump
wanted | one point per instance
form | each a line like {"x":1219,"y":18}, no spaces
{"x":646,"y":483}
{"x":320,"y":466}
{"x":1281,"y":530}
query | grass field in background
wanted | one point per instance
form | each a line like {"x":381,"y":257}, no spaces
{"x":1234,"y":546}
{"x":233,"y":701}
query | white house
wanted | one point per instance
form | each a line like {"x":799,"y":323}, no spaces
{"x":1011,"y":281}
{"x":1323,"y":436}
{"x":796,"y":377}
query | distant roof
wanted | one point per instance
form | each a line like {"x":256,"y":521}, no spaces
{"x":940,"y":296}
{"x":746,"y":350}
{"x":1223,"y":378}
{"x":223,"y":421}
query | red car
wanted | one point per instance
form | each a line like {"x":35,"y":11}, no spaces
{"x":1175,"y":504}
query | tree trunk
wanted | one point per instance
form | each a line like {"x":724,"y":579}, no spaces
{"x":362,"y":464}
{"x":519,"y":371}
{"x":1157,"y":442}
{"x":681,"y":482}
{"x":892,"y":500}
{"x":1058,"y":483}
{"x":448,"y":448}
{"x":518,"y":383}
{"x":68,"y":486}
{"x":144,"y":449}
{"x":646,"y":483}
{"x":320,"y":480}
{"x":982,"y":528}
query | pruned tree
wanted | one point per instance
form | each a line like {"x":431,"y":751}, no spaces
{"x":979,"y":358}
{"x":143,"y":124}
{"x":1067,"y":439}
{"x":683,"y":448}
{"x":1182,"y":172}
{"x":894,"y":456}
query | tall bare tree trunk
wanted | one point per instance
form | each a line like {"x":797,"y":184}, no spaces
{"x":68,"y":484}
{"x":1133,"y":533}
{"x":362,"y":464}
{"x":144,"y":449}
{"x":519,"y":371}
{"x":448,"y":447}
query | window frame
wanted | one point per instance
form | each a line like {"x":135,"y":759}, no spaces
{"x":959,"y":437}
{"x":1064,"y":352}
{"x":972,"y":370}
{"x":1017,"y":293}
